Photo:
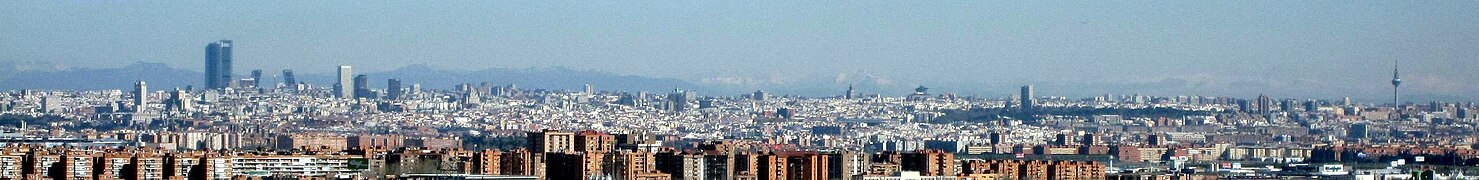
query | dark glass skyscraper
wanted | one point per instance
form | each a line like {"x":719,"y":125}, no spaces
{"x":393,"y":89}
{"x":218,"y":64}
{"x":1027,"y":99}
{"x":287,"y":78}
{"x":850,"y":93}
{"x":678,"y":100}
{"x":257,"y":78}
{"x":362,"y":87}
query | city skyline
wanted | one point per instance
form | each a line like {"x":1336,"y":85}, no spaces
{"x":739,"y":90}
{"x":219,"y":73}
{"x":1420,"y":98}
{"x":1279,"y":51}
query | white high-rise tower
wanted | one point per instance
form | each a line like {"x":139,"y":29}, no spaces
{"x":141,"y":96}
{"x":345,"y":87}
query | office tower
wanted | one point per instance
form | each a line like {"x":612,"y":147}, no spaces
{"x":487,"y":87}
{"x":589,"y":89}
{"x":678,"y":100}
{"x":1287,"y":105}
{"x":1028,"y":99}
{"x":1243,"y":106}
{"x":287,"y":77}
{"x":257,"y":78}
{"x":393,"y":89}
{"x":628,"y":99}
{"x":141,"y":96}
{"x":1346,"y":101}
{"x":362,"y":87}
{"x":1311,"y":106}
{"x":343,"y":88}
{"x":640,"y":99}
{"x":49,"y":104}
{"x":464,"y":87}
{"x":760,"y":96}
{"x":218,"y":65}
{"x":1264,"y":104}
{"x":850,"y":93}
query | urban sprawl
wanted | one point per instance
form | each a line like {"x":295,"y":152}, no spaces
{"x":243,"y":128}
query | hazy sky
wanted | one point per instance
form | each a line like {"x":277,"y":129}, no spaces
{"x":1313,"y":49}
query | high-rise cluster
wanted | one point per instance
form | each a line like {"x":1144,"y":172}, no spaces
{"x":218,"y":65}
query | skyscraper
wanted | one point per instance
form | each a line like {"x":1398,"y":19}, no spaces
{"x":393,"y":89}
{"x":589,"y":89}
{"x":344,"y":88}
{"x":1287,"y":105}
{"x":218,"y":64}
{"x":141,"y":101}
{"x":362,"y":87}
{"x":632,"y":99}
{"x":1264,"y":104}
{"x":1463,"y":113}
{"x":1243,"y":106}
{"x":850,"y":93}
{"x":1028,"y":99}
{"x":287,"y":77}
{"x":1311,"y":106}
{"x":50,"y":104}
{"x":141,"y":96}
{"x":257,"y":78}
{"x":678,"y":100}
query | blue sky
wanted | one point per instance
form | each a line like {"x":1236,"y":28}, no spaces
{"x":1301,"y":49}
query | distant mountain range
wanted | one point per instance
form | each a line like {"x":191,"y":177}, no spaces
{"x":157,"y":75}
{"x":160,"y":76}
{"x":50,"y":76}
